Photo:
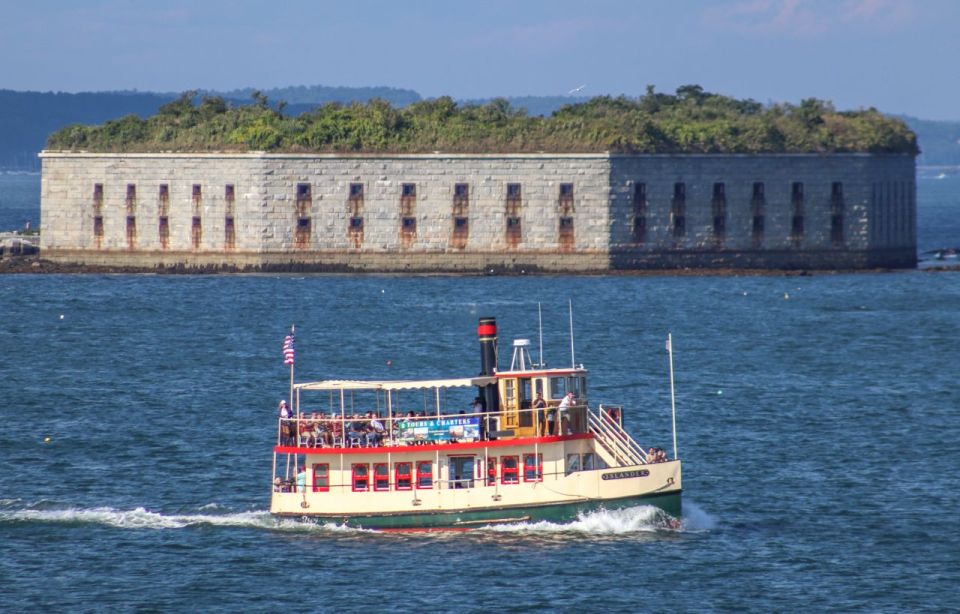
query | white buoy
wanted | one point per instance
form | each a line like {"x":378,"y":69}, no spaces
{"x":61,"y":316}
{"x":786,"y":296}
{"x":719,"y":392}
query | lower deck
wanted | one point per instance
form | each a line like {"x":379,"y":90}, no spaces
{"x":550,"y":478}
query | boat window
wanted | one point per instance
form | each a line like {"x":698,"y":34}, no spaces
{"x":558,"y":387}
{"x":583,"y":387}
{"x":573,"y":463}
{"x":491,"y":472}
{"x":533,"y":467}
{"x":424,"y":474}
{"x":573,"y":384}
{"x":509,"y":470}
{"x":509,"y":390}
{"x":403,"y":480}
{"x":381,"y":477}
{"x":361,"y":477}
{"x":460,"y":472}
{"x":588,"y":461}
{"x":525,"y":392}
{"x":321,"y":477}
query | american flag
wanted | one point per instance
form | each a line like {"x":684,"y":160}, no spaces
{"x":288,"y":351}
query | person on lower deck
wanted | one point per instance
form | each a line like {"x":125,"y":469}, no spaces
{"x":562,"y":418}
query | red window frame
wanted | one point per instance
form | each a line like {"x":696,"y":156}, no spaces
{"x":404,"y":476}
{"x":321,"y":477}
{"x":492,"y":471}
{"x":421,"y":474}
{"x":381,"y":481}
{"x":508,"y":474}
{"x":360,"y":480}
{"x":536,"y":467}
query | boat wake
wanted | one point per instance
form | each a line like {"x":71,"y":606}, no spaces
{"x":141,"y":518}
{"x":641,"y":519}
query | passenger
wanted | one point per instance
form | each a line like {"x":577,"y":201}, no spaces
{"x":651,"y":456}
{"x":376,"y":433}
{"x":565,"y":405}
{"x":477,"y":406}
{"x":283,"y":409}
{"x":539,"y":405}
{"x":302,"y":480}
{"x":277,"y":485}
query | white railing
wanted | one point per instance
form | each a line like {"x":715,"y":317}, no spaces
{"x":617,"y":442}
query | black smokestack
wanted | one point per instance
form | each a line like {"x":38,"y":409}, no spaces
{"x":487,"y":333}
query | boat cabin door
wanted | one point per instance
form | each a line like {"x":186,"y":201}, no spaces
{"x":517,"y":395}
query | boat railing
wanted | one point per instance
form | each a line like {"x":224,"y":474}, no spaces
{"x":362,"y":431}
{"x":606,"y":424}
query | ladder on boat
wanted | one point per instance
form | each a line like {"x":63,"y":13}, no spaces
{"x":615,"y":441}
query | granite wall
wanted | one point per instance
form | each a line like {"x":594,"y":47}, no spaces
{"x":444,"y":212}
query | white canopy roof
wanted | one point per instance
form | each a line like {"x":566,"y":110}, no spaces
{"x":346,"y":384}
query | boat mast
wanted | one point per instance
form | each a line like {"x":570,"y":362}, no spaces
{"x":673,"y":396}
{"x":540,"y":320}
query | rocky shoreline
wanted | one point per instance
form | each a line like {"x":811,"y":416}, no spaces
{"x":35,"y":265}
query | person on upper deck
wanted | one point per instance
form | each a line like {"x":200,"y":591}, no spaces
{"x":545,"y":421}
{"x":565,"y":405}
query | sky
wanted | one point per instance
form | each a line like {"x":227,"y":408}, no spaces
{"x":900,"y":56}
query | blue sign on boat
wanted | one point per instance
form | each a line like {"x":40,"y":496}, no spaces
{"x":440,"y":429}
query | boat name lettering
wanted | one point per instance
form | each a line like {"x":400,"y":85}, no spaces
{"x":619,"y":475}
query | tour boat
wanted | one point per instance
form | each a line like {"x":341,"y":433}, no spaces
{"x":531,"y":448}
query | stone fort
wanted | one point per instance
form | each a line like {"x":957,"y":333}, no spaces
{"x":479,"y":212}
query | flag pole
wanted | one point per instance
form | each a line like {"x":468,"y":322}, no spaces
{"x":292,"y":329}
{"x":673,"y":395}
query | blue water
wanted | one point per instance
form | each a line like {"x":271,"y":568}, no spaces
{"x":817,"y":420}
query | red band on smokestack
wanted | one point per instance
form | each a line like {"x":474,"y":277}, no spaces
{"x":487,"y":330}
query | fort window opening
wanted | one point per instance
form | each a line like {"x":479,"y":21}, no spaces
{"x":164,"y":231}
{"x":98,"y":230}
{"x":758,"y":203}
{"x":356,"y":191}
{"x":228,"y":192}
{"x":678,"y":210}
{"x":302,"y":235}
{"x":356,"y":223}
{"x":196,"y":232}
{"x":131,"y":232}
{"x":836,"y":214}
{"x":197,"y":192}
{"x":131,"y":193}
{"x":719,"y":206}
{"x":565,"y":200}
{"x":408,"y":221}
{"x":303,"y":191}
{"x":321,"y":477}
{"x":566,"y":233}
{"x":229,"y":233}
{"x":639,"y":212}
{"x":97,"y":194}
{"x":513,"y":203}
{"x":164,"y":196}
{"x":355,"y":211}
{"x":796,"y":222}
{"x":408,"y":190}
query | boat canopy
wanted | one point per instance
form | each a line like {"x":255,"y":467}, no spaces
{"x":345,"y":384}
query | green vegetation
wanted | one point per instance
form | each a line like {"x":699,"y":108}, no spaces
{"x":691,"y":121}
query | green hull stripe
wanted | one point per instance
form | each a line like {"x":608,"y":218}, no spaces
{"x":473,"y":518}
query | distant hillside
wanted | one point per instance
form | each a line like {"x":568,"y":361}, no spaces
{"x":28,"y":118}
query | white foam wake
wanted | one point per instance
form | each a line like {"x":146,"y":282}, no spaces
{"x":140,"y":518}
{"x":644,"y":518}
